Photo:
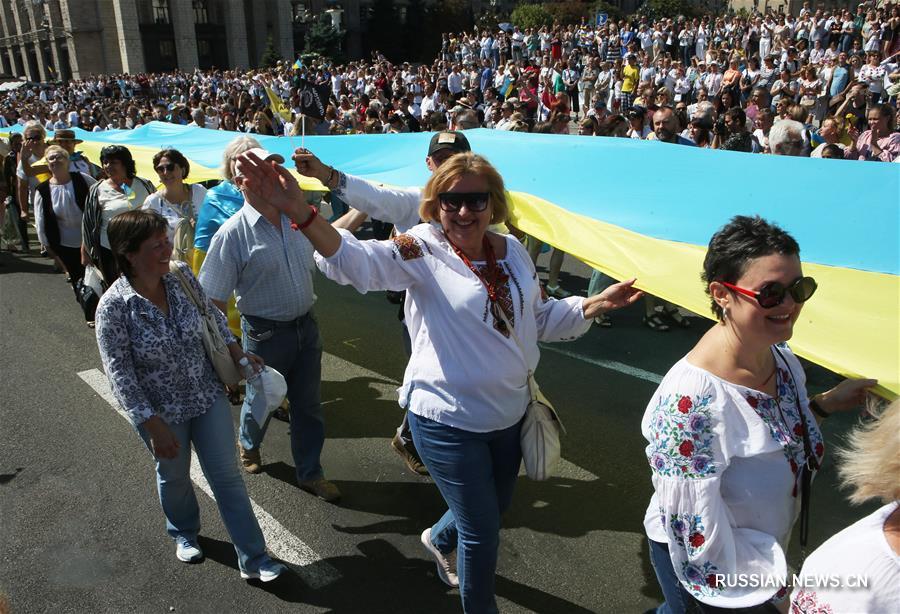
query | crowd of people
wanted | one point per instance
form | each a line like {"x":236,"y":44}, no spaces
{"x":726,"y":81}
{"x":733,"y":437}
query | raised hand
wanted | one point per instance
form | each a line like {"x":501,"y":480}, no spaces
{"x":309,"y":165}
{"x":268,"y":183}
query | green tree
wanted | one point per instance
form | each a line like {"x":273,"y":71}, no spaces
{"x":385,"y":32}
{"x":322,"y":39}
{"x":270,"y":57}
{"x":668,"y":8}
{"x":531,"y":16}
{"x":569,"y":13}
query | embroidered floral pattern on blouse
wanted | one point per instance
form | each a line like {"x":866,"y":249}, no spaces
{"x":504,"y":298}
{"x":782,"y":417}
{"x":407,"y":246}
{"x":700,"y":579}
{"x":807,"y":602}
{"x":688,"y":531}
{"x":515,"y":282}
{"x":682,"y":437}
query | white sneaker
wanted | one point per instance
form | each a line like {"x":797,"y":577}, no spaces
{"x":446,"y":563}
{"x":188,"y":551}
{"x":267,"y":571}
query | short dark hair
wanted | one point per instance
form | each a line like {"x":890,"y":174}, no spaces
{"x":741,"y":240}
{"x":122,"y":154}
{"x":737,"y":115}
{"x":128,"y":230}
{"x":174,"y":156}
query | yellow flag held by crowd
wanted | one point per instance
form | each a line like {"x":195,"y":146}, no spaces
{"x":277,"y":105}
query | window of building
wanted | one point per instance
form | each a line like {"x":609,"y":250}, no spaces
{"x":161,"y":11}
{"x":167,"y":48}
{"x":203,"y":47}
{"x":201,"y":11}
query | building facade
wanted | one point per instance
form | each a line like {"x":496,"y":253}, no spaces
{"x":45,"y":40}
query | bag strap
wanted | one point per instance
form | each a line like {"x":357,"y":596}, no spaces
{"x":188,"y":289}
{"x":810,"y":463}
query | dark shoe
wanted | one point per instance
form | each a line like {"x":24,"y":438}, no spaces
{"x":655,"y":322}
{"x":282,"y":414}
{"x":251,"y":460}
{"x":676,"y":318}
{"x":322,"y":488}
{"x":409,"y":455}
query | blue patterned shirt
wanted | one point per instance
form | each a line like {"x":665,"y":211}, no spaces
{"x":156,"y":363}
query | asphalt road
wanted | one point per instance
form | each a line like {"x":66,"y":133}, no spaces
{"x":80,"y":524}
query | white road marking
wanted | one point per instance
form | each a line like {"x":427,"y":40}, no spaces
{"x":615,"y":365}
{"x":280,"y":542}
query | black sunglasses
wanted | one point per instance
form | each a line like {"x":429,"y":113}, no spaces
{"x":773,"y":294}
{"x":169,"y":168}
{"x":451,"y":202}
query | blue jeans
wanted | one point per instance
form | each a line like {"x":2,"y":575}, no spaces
{"x":677,"y":599}
{"x":212,"y":434}
{"x":476,"y":474}
{"x":294,"y":349}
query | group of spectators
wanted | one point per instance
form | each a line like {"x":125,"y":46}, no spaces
{"x":826,"y":82}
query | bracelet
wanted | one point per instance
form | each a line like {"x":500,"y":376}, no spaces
{"x":313,"y":212}
{"x":817,"y":409}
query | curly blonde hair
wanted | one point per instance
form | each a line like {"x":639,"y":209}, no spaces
{"x":870,"y":462}
{"x":455,"y":167}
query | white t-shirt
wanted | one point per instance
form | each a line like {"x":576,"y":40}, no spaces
{"x":68,"y":215}
{"x":175,"y":212}
{"x":859,"y":551}
{"x":113,"y":202}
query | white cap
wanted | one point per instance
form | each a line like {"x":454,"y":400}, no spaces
{"x":264,"y":154}
{"x":270,"y":388}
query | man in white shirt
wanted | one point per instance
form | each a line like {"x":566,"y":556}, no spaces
{"x":713,"y":80}
{"x":454,"y":81}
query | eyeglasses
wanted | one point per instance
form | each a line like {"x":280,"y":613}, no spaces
{"x":773,"y":294}
{"x":166,"y":168}
{"x":52,"y":158}
{"x":452,"y":202}
{"x":33,"y":138}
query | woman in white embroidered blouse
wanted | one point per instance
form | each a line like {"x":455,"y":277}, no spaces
{"x":731,"y":431}
{"x":868,"y":550}
{"x":148,"y":332}
{"x":465,"y":384}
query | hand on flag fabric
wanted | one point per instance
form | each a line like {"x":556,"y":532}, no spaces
{"x":616,"y":296}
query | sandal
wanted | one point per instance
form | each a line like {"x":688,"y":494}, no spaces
{"x":603,"y":321}
{"x":676,"y":318}
{"x":655,"y":322}
{"x":90,"y":324}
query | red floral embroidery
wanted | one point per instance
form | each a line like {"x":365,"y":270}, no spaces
{"x":685,"y":404}
{"x":798,"y":430}
{"x":504,"y":297}
{"x":697,"y":540}
{"x":408,"y":247}
{"x":712,"y":580}
{"x":793,"y":465}
{"x":820,"y":449}
{"x":752,"y":401}
{"x":686,"y":448}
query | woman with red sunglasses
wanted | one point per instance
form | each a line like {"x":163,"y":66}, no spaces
{"x":733,"y":437}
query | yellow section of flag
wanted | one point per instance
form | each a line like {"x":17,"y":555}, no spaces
{"x":277,"y":105}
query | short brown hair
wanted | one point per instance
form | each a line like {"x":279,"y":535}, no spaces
{"x":455,"y":167}
{"x":128,"y":230}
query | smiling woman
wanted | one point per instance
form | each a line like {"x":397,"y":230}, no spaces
{"x":465,"y":385}
{"x":733,"y":437}
{"x":58,"y":206}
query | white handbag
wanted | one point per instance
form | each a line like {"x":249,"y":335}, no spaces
{"x":213,"y":341}
{"x":541,"y":427}
{"x":94,"y":279}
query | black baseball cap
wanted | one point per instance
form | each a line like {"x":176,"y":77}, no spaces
{"x":449,"y":140}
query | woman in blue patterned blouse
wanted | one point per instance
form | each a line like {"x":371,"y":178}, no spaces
{"x":148,"y":331}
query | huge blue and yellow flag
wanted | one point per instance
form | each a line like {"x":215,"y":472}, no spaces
{"x":647,"y":209}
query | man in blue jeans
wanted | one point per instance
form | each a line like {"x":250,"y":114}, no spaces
{"x":268,"y":267}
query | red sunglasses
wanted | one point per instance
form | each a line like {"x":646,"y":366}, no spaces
{"x":773,"y":293}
